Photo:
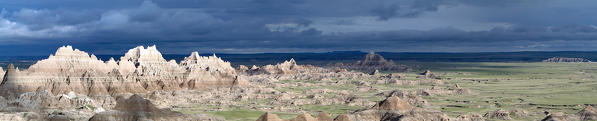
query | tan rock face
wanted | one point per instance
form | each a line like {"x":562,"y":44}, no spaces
{"x":304,"y":117}
{"x":269,"y":117}
{"x":587,"y":114}
{"x":342,"y":117}
{"x":9,"y":83}
{"x":395,"y":109}
{"x":139,"y":70}
{"x":136,"y":108}
{"x":324,"y":117}
{"x":393,"y":103}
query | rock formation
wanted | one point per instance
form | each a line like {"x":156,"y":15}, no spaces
{"x":562,"y":59}
{"x":136,"y":108}
{"x":560,"y":117}
{"x":10,"y":78}
{"x":1,"y":74}
{"x":286,"y":67}
{"x":69,"y":60}
{"x":393,"y":103}
{"x":587,"y":114}
{"x":394,"y":109}
{"x":208,"y":71}
{"x":469,"y":117}
{"x":269,"y":117}
{"x":322,"y":116}
{"x":342,"y":117}
{"x":428,"y":74}
{"x":373,"y":62}
{"x":302,"y":117}
{"x":500,"y":114}
{"x":376,"y":72}
{"x":139,"y":70}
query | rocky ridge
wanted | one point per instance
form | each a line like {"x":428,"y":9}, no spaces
{"x":562,"y":59}
{"x":139,"y":70}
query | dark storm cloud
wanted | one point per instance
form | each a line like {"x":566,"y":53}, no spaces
{"x":181,"y":26}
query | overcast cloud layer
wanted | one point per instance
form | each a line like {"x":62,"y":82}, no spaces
{"x":38,"y":27}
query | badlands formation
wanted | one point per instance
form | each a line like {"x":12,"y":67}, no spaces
{"x":560,"y":59}
{"x":372,"y":62}
{"x":143,"y":86}
{"x":74,"y":79}
{"x":140,"y":70}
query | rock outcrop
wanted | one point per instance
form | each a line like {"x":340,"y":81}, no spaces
{"x":394,"y":109}
{"x":286,"y":67}
{"x":302,"y":117}
{"x":324,"y":117}
{"x":136,"y":108}
{"x":10,"y":80}
{"x":1,"y":74}
{"x":428,"y":74}
{"x":559,"y":116}
{"x":393,"y":103}
{"x":269,"y":117}
{"x":500,"y":114}
{"x":342,"y":117}
{"x":561,"y":59}
{"x":373,"y":62}
{"x":203,"y":72}
{"x":139,"y":70}
{"x":587,"y":114}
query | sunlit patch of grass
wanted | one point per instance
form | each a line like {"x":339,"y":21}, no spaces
{"x":532,"y":86}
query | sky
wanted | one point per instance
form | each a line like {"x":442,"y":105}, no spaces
{"x":39,"y":27}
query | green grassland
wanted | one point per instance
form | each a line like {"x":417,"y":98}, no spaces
{"x":534,"y":87}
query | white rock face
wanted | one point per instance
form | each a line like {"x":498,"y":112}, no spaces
{"x":207,"y":71}
{"x":209,"y":63}
{"x":1,"y":74}
{"x":140,"y":54}
{"x":139,"y":70}
{"x":287,"y":67}
{"x":70,"y":60}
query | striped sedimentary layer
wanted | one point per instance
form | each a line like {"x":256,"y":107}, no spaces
{"x":139,"y":70}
